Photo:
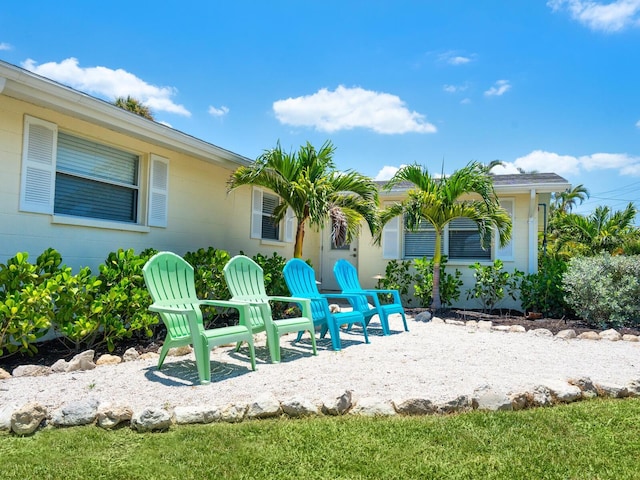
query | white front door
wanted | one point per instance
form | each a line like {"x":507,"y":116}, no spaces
{"x":330,"y":255}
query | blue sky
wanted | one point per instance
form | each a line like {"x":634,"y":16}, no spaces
{"x":541,"y":85}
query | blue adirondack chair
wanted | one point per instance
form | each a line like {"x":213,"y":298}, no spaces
{"x":245,"y":280}
{"x":301,"y":281}
{"x":347,"y":277}
{"x":169,"y":279}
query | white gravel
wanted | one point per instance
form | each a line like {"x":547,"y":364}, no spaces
{"x":434,"y":361}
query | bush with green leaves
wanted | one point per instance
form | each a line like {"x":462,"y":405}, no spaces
{"x":449,"y":283}
{"x":397,"y":276}
{"x":604,"y":290}
{"x":493,"y":284}
{"x":543,"y":291}
{"x":208,"y":265}
{"x":26,"y":300}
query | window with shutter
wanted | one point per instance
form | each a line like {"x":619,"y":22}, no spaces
{"x":158,"y":192}
{"x":263,"y":205}
{"x":420,"y":243}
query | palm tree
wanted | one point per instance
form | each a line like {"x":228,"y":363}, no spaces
{"x":439,"y":201}
{"x":565,"y":201}
{"x":135,"y":106}
{"x":603,"y":230}
{"x":307,"y":181}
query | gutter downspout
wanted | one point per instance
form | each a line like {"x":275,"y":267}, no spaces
{"x":533,"y":232}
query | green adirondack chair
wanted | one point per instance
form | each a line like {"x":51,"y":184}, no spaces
{"x":245,"y":280}
{"x":169,"y":279}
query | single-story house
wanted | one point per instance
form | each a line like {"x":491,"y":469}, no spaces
{"x":85,"y":177}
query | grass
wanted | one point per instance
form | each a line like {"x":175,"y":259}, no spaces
{"x":597,"y":439}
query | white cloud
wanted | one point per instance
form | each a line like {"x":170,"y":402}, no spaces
{"x":638,"y":124}
{"x":5,"y":46}
{"x":454,"y":88}
{"x":499,"y":88}
{"x":542,"y":161}
{"x":218,"y":112}
{"x":505,"y":169}
{"x":465,"y":101}
{"x":610,"y":17}
{"x":387,"y":172}
{"x":348,"y":108}
{"x":452,"y":58}
{"x":108,"y":83}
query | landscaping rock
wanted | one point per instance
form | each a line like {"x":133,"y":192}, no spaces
{"x":541,"y":397}
{"x":454,"y":322}
{"x":458,"y":404}
{"x":585,"y":385}
{"x":149,"y":356}
{"x":471,"y":324}
{"x":59,"y":366}
{"x":611,"y":390}
{"x":562,"y":392}
{"x":437,"y":321}
{"x":26,"y":419}
{"x":500,"y":328}
{"x":299,"y":407}
{"x":130,"y":355}
{"x":233,"y":413}
{"x":264,"y":406}
{"x":31,"y":371}
{"x":484,"y":325}
{"x":415,"y":406}
{"x":520,"y":400}
{"x":6,"y":411}
{"x":82,"y":361}
{"x":180,"y":351}
{"x":486,"y":398}
{"x":589,"y":336}
{"x":151,"y":419}
{"x":541,"y":332}
{"x":81,"y":412}
{"x":423,"y":316}
{"x":338,"y":405}
{"x":373,"y":407}
{"x":611,"y":335}
{"x":517,"y":329}
{"x":111,"y":417}
{"x":201,"y":414}
{"x":108,"y":359}
{"x":633,"y":388}
{"x":630,"y":338}
{"x":567,"y":334}
{"x":4,"y":374}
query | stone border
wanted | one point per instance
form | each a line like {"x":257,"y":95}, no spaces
{"x":27,"y":419}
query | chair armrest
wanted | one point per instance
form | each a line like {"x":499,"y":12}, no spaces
{"x":396,"y":295}
{"x":159,"y":308}
{"x":305,"y":304}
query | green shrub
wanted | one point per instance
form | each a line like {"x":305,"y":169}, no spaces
{"x":208,"y":268}
{"x":604,"y":290}
{"x":493,"y":283}
{"x":26,"y":301}
{"x":449,"y":283}
{"x":543,"y":291}
{"x":397,"y":276}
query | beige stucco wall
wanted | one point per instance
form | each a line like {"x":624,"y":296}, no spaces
{"x":371,"y":263}
{"x":200,"y":214}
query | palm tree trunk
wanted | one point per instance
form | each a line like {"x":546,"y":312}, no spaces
{"x":435,"y":293}
{"x":297,"y":249}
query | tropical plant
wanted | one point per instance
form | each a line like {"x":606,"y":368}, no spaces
{"x":307,"y":182}
{"x":397,"y":276}
{"x":603,"y":230}
{"x":564,"y":202}
{"x":543,"y":292}
{"x":449,"y":283}
{"x":493,"y":283}
{"x":134,"y":105}
{"x":440,"y":200}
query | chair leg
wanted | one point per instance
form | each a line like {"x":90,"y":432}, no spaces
{"x":252,"y":353}
{"x":203,"y":360}
{"x":404,"y":320}
{"x":163,"y":353}
{"x":364,"y":330}
{"x":273,"y":342}
{"x":384,"y":321}
{"x":313,"y":340}
{"x":238,"y":345}
{"x":334,"y":331}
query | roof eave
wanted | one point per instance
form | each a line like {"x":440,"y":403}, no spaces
{"x":40,"y":91}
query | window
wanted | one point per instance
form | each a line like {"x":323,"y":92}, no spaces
{"x":63,"y":174}
{"x":263,"y":204}
{"x":464,"y":241}
{"x":95,"y":181}
{"x":421,"y":243}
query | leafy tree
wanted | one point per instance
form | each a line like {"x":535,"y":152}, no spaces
{"x":565,"y":202}
{"x":307,"y":181}
{"x":135,"y":106}
{"x":440,"y":200}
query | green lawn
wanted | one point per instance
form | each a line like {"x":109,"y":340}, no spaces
{"x":598,"y":439}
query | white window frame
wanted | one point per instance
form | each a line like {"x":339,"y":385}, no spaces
{"x":506,"y":253}
{"x":38,"y":177}
{"x":286,"y":227}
